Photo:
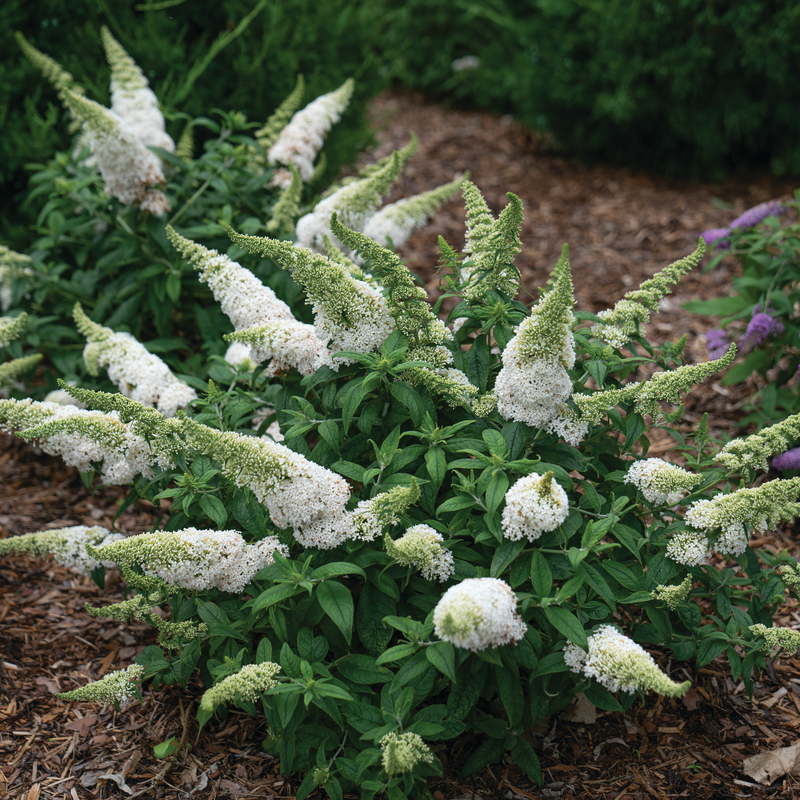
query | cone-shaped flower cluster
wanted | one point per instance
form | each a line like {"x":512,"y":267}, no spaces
{"x":623,"y":321}
{"x":117,"y":687}
{"x":753,"y":451}
{"x":301,"y":140}
{"x":785,"y":638}
{"x":131,"y":97}
{"x":259,"y":317}
{"x":349,"y":314}
{"x":688,"y":548}
{"x":278,"y":120}
{"x":392,"y":225}
{"x":420,"y":547}
{"x":11,"y":327}
{"x":660,"y":482}
{"x":138,"y":373}
{"x":673,"y":595}
{"x":66,"y":545}
{"x":402,"y":752}
{"x":193,"y":559}
{"x":619,"y":664}
{"x":249,"y":683}
{"x":760,"y":509}
{"x":535,"y":504}
{"x":533,"y":384}
{"x":478,"y":613}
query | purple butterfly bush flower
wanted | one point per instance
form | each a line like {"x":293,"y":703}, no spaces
{"x":717,"y":343}
{"x":752,"y":217}
{"x":788,"y":460}
{"x":761,"y":326}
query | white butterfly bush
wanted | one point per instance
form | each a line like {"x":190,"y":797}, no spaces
{"x":478,"y":613}
{"x":420,"y":547}
{"x":660,"y":482}
{"x":535,"y":505}
{"x":66,"y":545}
{"x":301,"y":140}
{"x":193,"y":559}
{"x":620,"y":665}
{"x":131,"y":97}
{"x":138,"y":373}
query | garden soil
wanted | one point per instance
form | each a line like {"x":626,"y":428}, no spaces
{"x":621,"y":227}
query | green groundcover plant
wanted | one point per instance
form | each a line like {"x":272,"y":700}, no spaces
{"x":389,"y":530}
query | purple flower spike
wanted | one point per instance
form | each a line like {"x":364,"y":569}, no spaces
{"x":713,"y":237}
{"x":757,"y":214}
{"x":717,"y":343}
{"x":788,"y":460}
{"x":758,"y":329}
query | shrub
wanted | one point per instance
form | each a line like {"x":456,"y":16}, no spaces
{"x":760,"y":313}
{"x":682,"y":88}
{"x":388,"y":532}
{"x":197,"y":56}
{"x":102,"y":211}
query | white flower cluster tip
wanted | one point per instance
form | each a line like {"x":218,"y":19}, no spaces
{"x":248,"y":683}
{"x":619,"y":664}
{"x":66,"y":545}
{"x":535,"y":504}
{"x":420,"y":547}
{"x":138,"y":373}
{"x":478,"y":613}
{"x":117,"y":687}
{"x":660,"y":482}
{"x":688,"y":548}
{"x":402,"y":752}
{"x":197,"y":560}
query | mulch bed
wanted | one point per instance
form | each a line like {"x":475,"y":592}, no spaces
{"x":621,"y":227}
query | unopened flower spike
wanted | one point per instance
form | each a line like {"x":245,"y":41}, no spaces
{"x":287,"y":209}
{"x":479,"y":220}
{"x":11,"y":327}
{"x":402,"y":752}
{"x":660,"y":482}
{"x":248,"y":684}
{"x":184,"y":149}
{"x":393,"y":224}
{"x":348,"y":314}
{"x":355,"y":203}
{"x":193,"y":559}
{"x":66,"y":545}
{"x":405,"y":153}
{"x":117,"y":687}
{"x":11,"y":370}
{"x":760,"y":509}
{"x":620,"y":665}
{"x":131,"y":96}
{"x":478,"y":613}
{"x":533,"y":384}
{"x":371,"y":517}
{"x":535,"y":505}
{"x":13,"y":266}
{"x":493,"y":266}
{"x":451,"y":385}
{"x":791,"y":575}
{"x":130,"y":171}
{"x":647,"y":395}
{"x":407,"y":302}
{"x":279,"y":119}
{"x":673,"y":596}
{"x":622,"y":322}
{"x":787,"y":639}
{"x":138,"y":373}
{"x":752,"y":452}
{"x":302,"y":138}
{"x":51,"y":69}
{"x":420,"y":547}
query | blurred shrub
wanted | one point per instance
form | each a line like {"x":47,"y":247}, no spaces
{"x":692,"y":87}
{"x":253,"y":72}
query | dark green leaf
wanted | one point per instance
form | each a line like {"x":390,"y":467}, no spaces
{"x":337,"y":603}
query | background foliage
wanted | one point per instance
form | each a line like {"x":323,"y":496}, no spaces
{"x":690,"y":87}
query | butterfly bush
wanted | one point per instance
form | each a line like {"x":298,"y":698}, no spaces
{"x":420,"y":524}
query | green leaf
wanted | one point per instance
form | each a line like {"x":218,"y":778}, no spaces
{"x":509,"y":688}
{"x":337,"y":568}
{"x":566,"y":623}
{"x":410,"y":399}
{"x":329,"y":431}
{"x":496,"y":490}
{"x":599,"y":696}
{"x":166,"y":749}
{"x":708,"y":650}
{"x":436,"y":464}
{"x":504,"y":555}
{"x":363,"y":669}
{"x":541,"y":577}
{"x":373,"y":606}
{"x":337,"y":603}
{"x":456,"y":503}
{"x":487,"y":752}
{"x":525,"y":757}
{"x":218,"y":622}
{"x":275,"y":594}
{"x":443,"y":656}
{"x":214,"y":508}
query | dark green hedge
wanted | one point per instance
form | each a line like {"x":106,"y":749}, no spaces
{"x":326,"y":42}
{"x":685,"y":87}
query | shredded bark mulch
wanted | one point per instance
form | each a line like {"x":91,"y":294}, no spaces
{"x":622,"y":227}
